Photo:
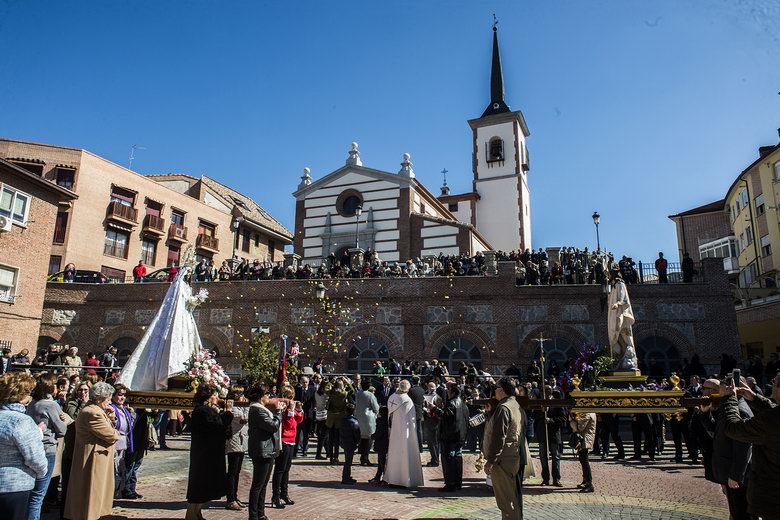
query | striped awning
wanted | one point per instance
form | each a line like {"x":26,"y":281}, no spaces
{"x":118,"y":226}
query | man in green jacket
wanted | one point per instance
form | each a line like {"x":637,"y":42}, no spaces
{"x":501,"y":446}
{"x":763,"y":432}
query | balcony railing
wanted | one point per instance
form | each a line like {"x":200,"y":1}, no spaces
{"x":207,"y":242}
{"x":154,"y":224}
{"x":122,"y":211}
{"x":177,"y":232}
{"x":116,"y":249}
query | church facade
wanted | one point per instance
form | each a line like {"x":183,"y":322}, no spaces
{"x":398,"y":217}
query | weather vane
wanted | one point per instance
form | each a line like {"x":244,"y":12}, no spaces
{"x":495,"y":21}
{"x":444,"y":172}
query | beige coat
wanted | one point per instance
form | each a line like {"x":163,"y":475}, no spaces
{"x":585,"y":425}
{"x":91,"y":484}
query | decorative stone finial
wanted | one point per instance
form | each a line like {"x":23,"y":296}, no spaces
{"x":354,"y":156}
{"x":305,"y":178}
{"x":406,"y":167}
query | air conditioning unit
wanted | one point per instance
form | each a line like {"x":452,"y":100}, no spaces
{"x":5,"y":223}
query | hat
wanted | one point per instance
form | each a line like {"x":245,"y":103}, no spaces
{"x":712,"y":384}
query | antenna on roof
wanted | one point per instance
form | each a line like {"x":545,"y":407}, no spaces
{"x":132,"y":154}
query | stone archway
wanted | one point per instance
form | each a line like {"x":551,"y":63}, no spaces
{"x":456,"y":342}
{"x":364,"y":344}
{"x":563,"y":343}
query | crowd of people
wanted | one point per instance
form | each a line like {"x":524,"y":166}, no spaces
{"x":533,"y":267}
{"x":70,"y":440}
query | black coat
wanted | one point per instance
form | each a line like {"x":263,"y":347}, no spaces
{"x":417,"y":395}
{"x":208,"y":430}
{"x":380,"y":394}
{"x":349,"y":433}
{"x":763,"y":431}
{"x":454,"y":421}
{"x":381,"y":435}
{"x":730,"y":458}
{"x":557,"y":421}
{"x":306,"y":397}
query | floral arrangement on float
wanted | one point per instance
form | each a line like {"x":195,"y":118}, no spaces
{"x":203,"y":369}
{"x":593,"y":361}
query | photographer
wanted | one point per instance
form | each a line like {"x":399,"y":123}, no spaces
{"x":763,"y":432}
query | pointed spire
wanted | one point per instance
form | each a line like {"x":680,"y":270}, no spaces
{"x":445,"y":190}
{"x":497,"y":103}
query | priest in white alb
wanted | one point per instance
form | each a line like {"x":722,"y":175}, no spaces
{"x":403,"y":456}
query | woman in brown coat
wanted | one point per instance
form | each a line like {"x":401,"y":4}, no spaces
{"x":91,"y":483}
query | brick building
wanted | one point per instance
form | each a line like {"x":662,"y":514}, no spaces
{"x":28,"y":208}
{"x":122,"y":217}
{"x":487,"y":320}
{"x":701,"y":225}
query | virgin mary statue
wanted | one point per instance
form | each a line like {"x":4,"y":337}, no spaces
{"x":169,"y":342}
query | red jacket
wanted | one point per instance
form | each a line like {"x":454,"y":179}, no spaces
{"x":290,"y":425}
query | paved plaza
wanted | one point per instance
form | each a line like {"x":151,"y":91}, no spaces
{"x":660,"y":490}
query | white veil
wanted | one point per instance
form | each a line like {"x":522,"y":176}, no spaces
{"x":169,"y":342}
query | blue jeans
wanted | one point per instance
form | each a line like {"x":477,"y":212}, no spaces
{"x":132,"y":463}
{"x":161,"y":425}
{"x":39,"y":491}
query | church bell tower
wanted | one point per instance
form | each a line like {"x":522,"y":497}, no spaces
{"x":500,"y":166}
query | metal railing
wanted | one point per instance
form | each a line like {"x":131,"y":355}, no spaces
{"x":647,"y":274}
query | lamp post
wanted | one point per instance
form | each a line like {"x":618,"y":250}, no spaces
{"x":358,"y":212}
{"x":596,"y":219}
{"x":234,"y":227}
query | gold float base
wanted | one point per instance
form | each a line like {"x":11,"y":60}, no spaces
{"x":624,"y":376}
{"x":666,"y":402}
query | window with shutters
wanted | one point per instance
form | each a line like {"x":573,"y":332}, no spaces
{"x":760,"y":208}
{"x":8,"y":281}
{"x":766,"y":246}
{"x":55,"y":262}
{"x":60,"y":227}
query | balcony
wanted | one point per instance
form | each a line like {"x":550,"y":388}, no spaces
{"x":207,"y":243}
{"x":154,"y":225}
{"x":122,"y":213}
{"x":177,"y":233}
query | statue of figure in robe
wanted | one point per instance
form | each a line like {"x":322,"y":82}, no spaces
{"x":404,"y":467}
{"x":620,"y":318}
{"x":170,"y":339}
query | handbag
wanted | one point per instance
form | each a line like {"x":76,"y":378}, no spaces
{"x":576,"y":440}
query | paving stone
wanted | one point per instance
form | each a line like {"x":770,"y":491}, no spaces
{"x":658,"y":491}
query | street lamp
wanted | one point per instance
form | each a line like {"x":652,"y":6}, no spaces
{"x":320,"y":291}
{"x":234,"y":227}
{"x":596,"y":219}
{"x":358,"y":212}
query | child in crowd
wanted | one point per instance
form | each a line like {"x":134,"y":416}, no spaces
{"x":381,"y":443}
{"x":349,"y":435}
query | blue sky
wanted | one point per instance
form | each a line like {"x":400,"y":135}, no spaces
{"x":637,"y":109}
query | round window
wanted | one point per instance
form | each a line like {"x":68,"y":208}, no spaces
{"x":348,"y":203}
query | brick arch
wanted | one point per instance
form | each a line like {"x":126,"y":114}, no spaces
{"x":394,"y":346}
{"x":646,"y":330}
{"x":474,"y":334}
{"x":130,"y":331}
{"x":528,"y":346}
{"x":223,"y":346}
